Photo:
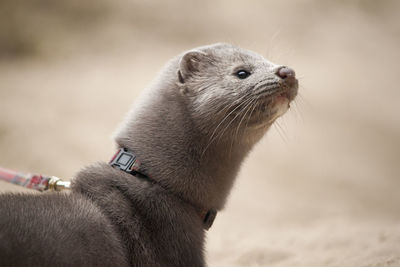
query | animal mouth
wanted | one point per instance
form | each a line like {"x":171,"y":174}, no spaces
{"x":273,"y":100}
{"x":268,"y":105}
{"x":272,"y":106}
{"x":284,"y":95}
{"x":282,"y":98}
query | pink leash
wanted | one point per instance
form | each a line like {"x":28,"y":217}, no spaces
{"x":34,"y":181}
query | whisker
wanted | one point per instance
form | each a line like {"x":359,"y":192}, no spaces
{"x":226,"y":116}
{"x":212,"y":137}
{"x":297,"y":111}
{"x":267,"y":91}
{"x":280,"y":131}
{"x":247,"y":108}
{"x":272,"y":39}
{"x":227,"y":107}
{"x":226,"y":127}
{"x":302,"y":101}
{"x":254,"y":106}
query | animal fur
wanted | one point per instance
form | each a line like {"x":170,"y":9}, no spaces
{"x":191,"y":130}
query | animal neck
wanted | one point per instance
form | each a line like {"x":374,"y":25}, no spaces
{"x":179,"y":156}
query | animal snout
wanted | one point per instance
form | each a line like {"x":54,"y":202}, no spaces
{"x":286,"y":73}
{"x":289,"y":81}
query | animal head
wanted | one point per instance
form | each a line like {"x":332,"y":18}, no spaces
{"x":233,"y":89}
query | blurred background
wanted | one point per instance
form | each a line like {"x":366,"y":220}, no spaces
{"x":321,"y":189}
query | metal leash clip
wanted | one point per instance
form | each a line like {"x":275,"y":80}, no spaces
{"x":56,"y":184}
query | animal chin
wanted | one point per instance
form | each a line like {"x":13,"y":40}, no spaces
{"x":281,"y":99}
{"x":281,"y":106}
{"x":269,"y":109}
{"x":261,"y":113}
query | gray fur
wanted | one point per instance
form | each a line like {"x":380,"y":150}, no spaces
{"x":191,"y":130}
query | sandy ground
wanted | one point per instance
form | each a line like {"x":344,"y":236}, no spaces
{"x":321,"y":189}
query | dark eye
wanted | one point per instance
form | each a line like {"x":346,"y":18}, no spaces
{"x":242,"y":74}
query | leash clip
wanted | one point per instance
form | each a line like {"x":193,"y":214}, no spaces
{"x":56,"y":184}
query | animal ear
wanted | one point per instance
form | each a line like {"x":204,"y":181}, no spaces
{"x":191,"y":63}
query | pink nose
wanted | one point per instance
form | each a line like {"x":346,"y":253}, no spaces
{"x":286,"y":73}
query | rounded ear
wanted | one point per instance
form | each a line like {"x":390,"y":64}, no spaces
{"x":190,"y":63}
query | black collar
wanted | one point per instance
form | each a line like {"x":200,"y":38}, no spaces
{"x":127,"y":161}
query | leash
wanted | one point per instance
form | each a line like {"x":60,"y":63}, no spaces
{"x":34,"y":181}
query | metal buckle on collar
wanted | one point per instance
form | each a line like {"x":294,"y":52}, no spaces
{"x":209,"y":219}
{"x":125,"y":161}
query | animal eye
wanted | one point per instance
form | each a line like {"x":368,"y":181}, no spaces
{"x":242,"y":74}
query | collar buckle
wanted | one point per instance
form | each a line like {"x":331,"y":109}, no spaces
{"x":209,"y":218}
{"x":125,"y":161}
